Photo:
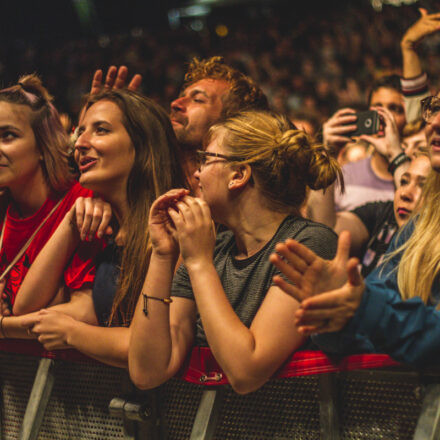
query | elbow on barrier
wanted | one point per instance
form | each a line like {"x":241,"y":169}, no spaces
{"x":311,"y":397}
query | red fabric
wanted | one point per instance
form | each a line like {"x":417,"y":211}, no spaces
{"x":203,"y":368}
{"x":202,"y":362}
{"x":81,"y":269}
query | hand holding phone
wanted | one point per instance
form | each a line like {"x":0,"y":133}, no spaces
{"x":367,"y":122}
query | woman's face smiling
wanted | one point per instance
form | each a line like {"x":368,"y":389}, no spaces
{"x":104,"y":151}
{"x":20,"y":160}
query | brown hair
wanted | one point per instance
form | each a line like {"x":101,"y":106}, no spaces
{"x":244,"y":93}
{"x":156,"y":169}
{"x":51,"y":139}
{"x":284,"y":160}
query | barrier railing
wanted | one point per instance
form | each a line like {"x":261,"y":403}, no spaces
{"x":65,"y":395}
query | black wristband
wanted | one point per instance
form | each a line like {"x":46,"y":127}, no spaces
{"x":397,"y":161}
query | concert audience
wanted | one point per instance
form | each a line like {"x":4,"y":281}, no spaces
{"x":394,"y":310}
{"x":127,"y":154}
{"x":252,"y":178}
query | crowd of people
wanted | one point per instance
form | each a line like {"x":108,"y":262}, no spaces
{"x":217,"y":224}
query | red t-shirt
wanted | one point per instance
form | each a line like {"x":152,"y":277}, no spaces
{"x":80,"y":271}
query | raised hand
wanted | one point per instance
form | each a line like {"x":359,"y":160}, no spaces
{"x":336,"y":128}
{"x":330,"y":311}
{"x":115,"y":78}
{"x":309,"y":273}
{"x":427,"y":24}
{"x":195,"y":230}
{"x":160,"y":224}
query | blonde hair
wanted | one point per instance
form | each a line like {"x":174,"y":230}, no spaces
{"x":284,"y":160}
{"x":420,"y":262}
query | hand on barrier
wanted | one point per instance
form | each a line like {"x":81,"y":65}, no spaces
{"x":53,"y":329}
{"x":115,"y":79}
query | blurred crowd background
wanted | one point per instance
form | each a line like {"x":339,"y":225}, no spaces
{"x":311,"y":57}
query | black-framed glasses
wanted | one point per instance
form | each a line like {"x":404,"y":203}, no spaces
{"x":202,"y":157}
{"x":430,"y":108}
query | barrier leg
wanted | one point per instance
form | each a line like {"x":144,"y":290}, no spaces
{"x":428,"y":425}
{"x":38,"y":399}
{"x":138,"y":411}
{"x":207,"y":415}
{"x":328,"y":407}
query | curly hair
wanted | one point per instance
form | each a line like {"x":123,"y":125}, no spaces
{"x":244,"y":93}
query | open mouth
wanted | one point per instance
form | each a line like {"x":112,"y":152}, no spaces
{"x":86,"y":163}
{"x":435,"y":143}
{"x":403,"y":212}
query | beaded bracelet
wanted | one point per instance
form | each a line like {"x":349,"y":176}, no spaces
{"x":397,"y":161}
{"x":166,"y":301}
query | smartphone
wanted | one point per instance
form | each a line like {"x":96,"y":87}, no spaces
{"x":367,"y":122}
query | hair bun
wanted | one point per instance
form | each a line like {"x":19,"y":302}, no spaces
{"x":33,"y":84}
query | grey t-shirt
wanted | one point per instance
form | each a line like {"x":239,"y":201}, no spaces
{"x":247,"y":281}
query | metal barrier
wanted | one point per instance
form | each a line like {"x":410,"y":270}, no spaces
{"x":43,"y":398}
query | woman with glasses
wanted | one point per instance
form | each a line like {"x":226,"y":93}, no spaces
{"x":395,"y":310}
{"x":252,"y":179}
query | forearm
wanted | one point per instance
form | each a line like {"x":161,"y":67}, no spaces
{"x":13,"y":327}
{"x":105,"y":344}
{"x":412,"y":66}
{"x":247,"y":360}
{"x":44,"y":276}
{"x":80,"y":307}
{"x":151,"y":360}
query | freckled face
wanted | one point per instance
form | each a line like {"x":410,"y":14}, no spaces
{"x":104,"y":151}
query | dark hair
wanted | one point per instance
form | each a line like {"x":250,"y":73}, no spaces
{"x":386,"y":82}
{"x":156,"y":169}
{"x":51,"y":139}
{"x":244,"y":93}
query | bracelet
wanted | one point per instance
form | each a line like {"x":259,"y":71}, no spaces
{"x":397,"y":161}
{"x":166,"y":301}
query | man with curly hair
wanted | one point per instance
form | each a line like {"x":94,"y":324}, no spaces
{"x":212,"y":90}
